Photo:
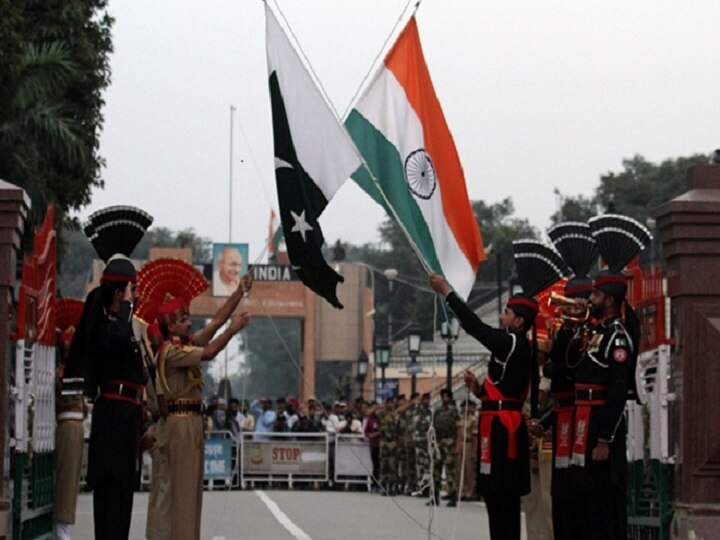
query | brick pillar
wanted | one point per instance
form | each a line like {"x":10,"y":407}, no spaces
{"x":689,"y":228}
{"x":14,"y":206}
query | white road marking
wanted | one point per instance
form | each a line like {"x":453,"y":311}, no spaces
{"x":285,"y":521}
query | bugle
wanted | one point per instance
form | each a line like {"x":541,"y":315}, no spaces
{"x":560,"y":301}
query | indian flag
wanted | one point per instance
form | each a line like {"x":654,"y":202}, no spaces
{"x":414,"y":168}
{"x":275,"y":236}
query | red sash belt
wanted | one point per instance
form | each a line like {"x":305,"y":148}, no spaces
{"x":564,"y":408}
{"x":592,"y":393}
{"x":123,"y":391}
{"x":508,"y":411}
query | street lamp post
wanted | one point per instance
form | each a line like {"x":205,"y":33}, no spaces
{"x":382,"y":359}
{"x":362,"y":369}
{"x":449,"y":331}
{"x":413,"y":350}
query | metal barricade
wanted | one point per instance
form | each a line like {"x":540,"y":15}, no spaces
{"x":284,"y":457}
{"x":353,"y":464}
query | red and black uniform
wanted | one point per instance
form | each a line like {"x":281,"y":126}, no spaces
{"x":505,"y":455}
{"x":601,"y":380}
{"x":116,"y":422}
{"x":564,"y":356}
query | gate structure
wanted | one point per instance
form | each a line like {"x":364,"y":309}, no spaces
{"x":650,"y":465}
{"x":32,"y":389}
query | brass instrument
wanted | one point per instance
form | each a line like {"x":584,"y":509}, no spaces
{"x":560,"y":301}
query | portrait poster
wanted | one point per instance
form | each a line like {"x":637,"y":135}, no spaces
{"x":230,"y":263}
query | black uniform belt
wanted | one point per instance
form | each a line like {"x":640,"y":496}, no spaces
{"x":185,"y":407}
{"x":123,"y":390}
{"x":564,"y":402}
{"x":501,"y":405}
{"x":590,"y":395}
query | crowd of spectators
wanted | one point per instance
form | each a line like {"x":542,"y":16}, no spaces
{"x":263,"y":417}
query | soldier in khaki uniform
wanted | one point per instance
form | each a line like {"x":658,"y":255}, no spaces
{"x":157,"y":526}
{"x":70,"y":410}
{"x":388,"y":425}
{"x":445,"y":423}
{"x":467,"y":443}
{"x":181,"y":379}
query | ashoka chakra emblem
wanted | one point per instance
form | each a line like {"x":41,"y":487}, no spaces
{"x":420,"y":174}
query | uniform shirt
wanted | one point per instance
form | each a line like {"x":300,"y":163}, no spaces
{"x":181,"y":370}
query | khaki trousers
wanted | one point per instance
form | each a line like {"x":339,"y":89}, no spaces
{"x":68,"y":464}
{"x":159,"y":500}
{"x":185,"y":443}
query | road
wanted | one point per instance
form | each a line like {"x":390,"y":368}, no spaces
{"x":313,"y":515}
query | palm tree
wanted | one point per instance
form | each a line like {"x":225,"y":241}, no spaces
{"x":38,"y":126}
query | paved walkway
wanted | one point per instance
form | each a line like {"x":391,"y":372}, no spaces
{"x":313,"y":515}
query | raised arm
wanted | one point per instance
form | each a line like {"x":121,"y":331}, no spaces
{"x":203,"y":336}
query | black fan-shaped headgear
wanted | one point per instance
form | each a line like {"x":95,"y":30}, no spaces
{"x":114,"y":233}
{"x":619,"y":239}
{"x":116,"y":229}
{"x":538,"y":266}
{"x":575,"y":243}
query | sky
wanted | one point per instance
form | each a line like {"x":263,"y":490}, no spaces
{"x":538,"y":96}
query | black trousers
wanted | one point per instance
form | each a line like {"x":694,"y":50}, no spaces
{"x":562,"y":515}
{"x":599,"y":514}
{"x":504,"y":515}
{"x":112,"y":509}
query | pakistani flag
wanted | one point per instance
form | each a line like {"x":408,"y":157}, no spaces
{"x":401,"y":132}
{"x":313,"y":158}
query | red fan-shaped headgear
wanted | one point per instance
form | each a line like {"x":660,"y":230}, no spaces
{"x":164,"y":280}
{"x":544,"y":319}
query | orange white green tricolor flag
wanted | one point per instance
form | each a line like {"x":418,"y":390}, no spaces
{"x":401,"y":132}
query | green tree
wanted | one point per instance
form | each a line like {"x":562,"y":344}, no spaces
{"x":577,"y":208}
{"x":499,"y":228}
{"x":642,"y":186}
{"x":55,"y":67}
{"x":79,"y":254}
{"x":186,"y":238}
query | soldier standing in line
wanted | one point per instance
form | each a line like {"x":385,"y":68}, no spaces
{"x":604,"y":380}
{"x":445,"y":423}
{"x":388,"y":428}
{"x":467,"y":444}
{"x":401,"y":470}
{"x":179,"y":360}
{"x":409,"y":445}
{"x":158,"y":280}
{"x":157,"y":526}
{"x":504,"y":444}
{"x":422,"y":420}
{"x":69,"y":434}
{"x":575,"y":243}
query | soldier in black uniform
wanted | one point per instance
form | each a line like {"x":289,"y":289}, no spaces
{"x":504,"y":455}
{"x":578,"y":248}
{"x":109,"y":360}
{"x":604,"y":379}
{"x":117,"y":372}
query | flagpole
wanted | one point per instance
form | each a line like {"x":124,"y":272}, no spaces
{"x":232,"y":115}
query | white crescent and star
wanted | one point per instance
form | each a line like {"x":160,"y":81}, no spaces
{"x":301,"y":225}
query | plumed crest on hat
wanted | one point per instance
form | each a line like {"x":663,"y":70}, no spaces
{"x":69,"y":311}
{"x":619,"y":239}
{"x":163,"y":278}
{"x":575,"y":243}
{"x":538,"y":265}
{"x":116,"y":229}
